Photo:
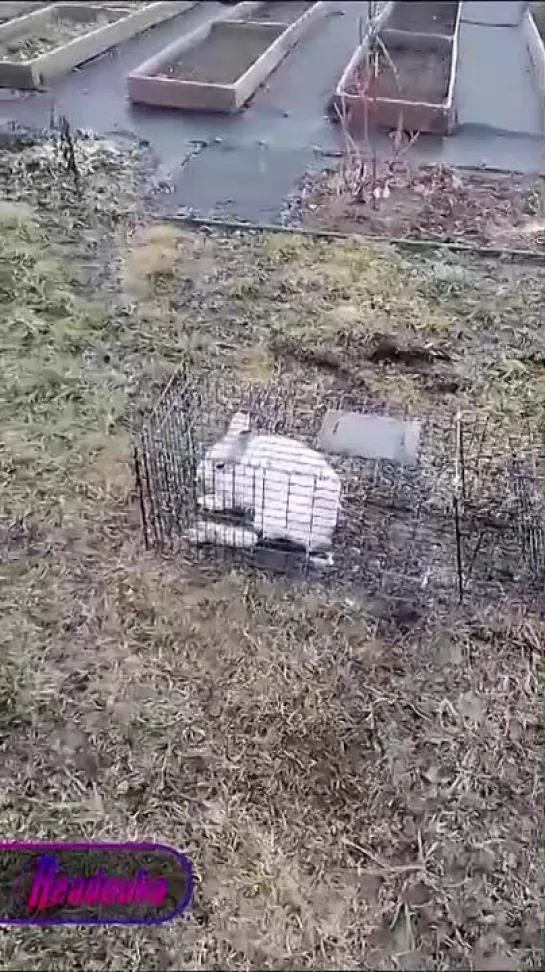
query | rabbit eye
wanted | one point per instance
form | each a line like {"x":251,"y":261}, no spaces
{"x":220,"y":465}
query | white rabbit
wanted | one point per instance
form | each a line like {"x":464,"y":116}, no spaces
{"x":291,"y":490}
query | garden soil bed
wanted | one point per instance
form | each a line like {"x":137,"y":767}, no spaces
{"x":432,"y":203}
{"x":219,"y":59}
{"x":59,"y":31}
{"x":424,"y":17}
{"x":421,"y":76}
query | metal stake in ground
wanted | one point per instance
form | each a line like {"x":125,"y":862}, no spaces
{"x":459,"y":478}
{"x":140,"y":490}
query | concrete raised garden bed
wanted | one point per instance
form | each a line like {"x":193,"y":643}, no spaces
{"x":54,"y":39}
{"x":419,"y":93}
{"x":219,"y":66}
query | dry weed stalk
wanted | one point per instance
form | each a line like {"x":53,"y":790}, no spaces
{"x":363,"y":175}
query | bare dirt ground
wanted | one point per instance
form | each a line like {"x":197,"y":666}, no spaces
{"x":351,"y":796}
{"x":426,"y":203}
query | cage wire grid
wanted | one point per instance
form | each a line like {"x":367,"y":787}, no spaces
{"x":464,"y":520}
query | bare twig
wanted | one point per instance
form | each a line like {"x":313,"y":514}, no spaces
{"x":362,"y":174}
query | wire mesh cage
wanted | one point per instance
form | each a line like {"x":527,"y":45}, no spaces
{"x":238,"y":474}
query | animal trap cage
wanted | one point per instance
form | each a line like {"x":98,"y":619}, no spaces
{"x":459,"y":515}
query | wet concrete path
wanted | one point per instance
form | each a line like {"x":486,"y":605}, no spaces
{"x":495,"y":87}
{"x":247,"y":165}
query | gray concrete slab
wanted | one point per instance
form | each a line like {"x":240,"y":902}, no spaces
{"x":253,"y":184}
{"x":505,"y":13}
{"x":475,"y":147}
{"x":369,"y":436}
{"x":478,"y":147}
{"x":495,"y":87}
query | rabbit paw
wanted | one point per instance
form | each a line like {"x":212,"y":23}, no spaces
{"x":322,"y":561}
{"x":223,"y":535}
{"x":210,"y":503}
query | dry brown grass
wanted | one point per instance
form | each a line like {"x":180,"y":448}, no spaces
{"x":351,"y":797}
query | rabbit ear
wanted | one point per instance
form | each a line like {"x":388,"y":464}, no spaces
{"x":234,"y":442}
{"x":239,"y":423}
{"x":239,"y":444}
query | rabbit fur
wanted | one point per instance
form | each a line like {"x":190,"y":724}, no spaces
{"x":291,"y":490}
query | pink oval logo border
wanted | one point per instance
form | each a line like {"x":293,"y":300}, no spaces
{"x":44,"y":848}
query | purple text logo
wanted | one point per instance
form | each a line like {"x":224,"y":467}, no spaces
{"x":57,"y":883}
